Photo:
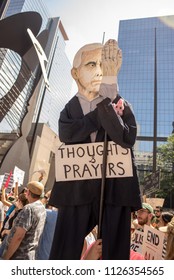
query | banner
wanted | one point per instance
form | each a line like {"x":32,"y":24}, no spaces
{"x":8,"y":181}
{"x":84,"y":161}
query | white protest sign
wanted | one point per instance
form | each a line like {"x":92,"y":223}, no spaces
{"x":84,"y":161}
{"x":1,"y":180}
{"x":137,"y":241}
{"x":152,"y":243}
{"x":18,"y":175}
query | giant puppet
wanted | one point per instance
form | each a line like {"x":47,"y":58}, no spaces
{"x":95,"y":112}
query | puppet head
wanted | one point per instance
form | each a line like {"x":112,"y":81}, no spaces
{"x":87,"y":71}
{"x":95,"y":64}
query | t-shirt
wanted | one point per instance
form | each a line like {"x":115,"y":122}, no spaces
{"x":45,"y":242}
{"x":32,"y":219}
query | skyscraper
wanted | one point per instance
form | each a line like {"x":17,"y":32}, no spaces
{"x":58,"y":66}
{"x":146,"y":78}
{"x":34,"y":150}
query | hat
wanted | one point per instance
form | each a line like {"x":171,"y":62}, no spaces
{"x":170,"y":226}
{"x":163,"y":229}
{"x":147,"y":207}
{"x":35,"y":187}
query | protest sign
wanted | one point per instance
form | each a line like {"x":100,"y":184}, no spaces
{"x":155,"y":202}
{"x":1,"y":180}
{"x":152,"y":243}
{"x":8,"y":181}
{"x":137,"y":241}
{"x":152,"y":183}
{"x":18,"y":175}
{"x":84,"y":161}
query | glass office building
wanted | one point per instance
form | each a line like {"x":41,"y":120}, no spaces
{"x":146,"y":78}
{"x":58,"y":66}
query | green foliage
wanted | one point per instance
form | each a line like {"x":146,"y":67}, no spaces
{"x":165,"y":162}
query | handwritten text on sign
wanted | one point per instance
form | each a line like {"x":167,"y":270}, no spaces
{"x":84,"y":161}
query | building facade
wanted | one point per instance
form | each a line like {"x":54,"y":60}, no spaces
{"x":31,"y":147}
{"x":58,"y":67}
{"x":146,"y":79}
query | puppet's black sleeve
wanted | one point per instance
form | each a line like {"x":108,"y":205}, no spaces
{"x":121,"y":130}
{"x":74,"y":129}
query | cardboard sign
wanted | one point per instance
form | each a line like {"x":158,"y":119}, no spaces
{"x":155,"y":202}
{"x":84,"y":161}
{"x":152,"y":183}
{"x":137,"y":241}
{"x":1,"y":180}
{"x":152,"y":243}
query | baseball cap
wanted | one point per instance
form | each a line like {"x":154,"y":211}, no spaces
{"x":147,"y":207}
{"x":163,"y":229}
{"x":35,"y":187}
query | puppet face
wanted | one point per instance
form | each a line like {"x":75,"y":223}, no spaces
{"x":89,"y":74}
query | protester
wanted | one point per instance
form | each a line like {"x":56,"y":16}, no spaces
{"x":166,"y":217}
{"x":46,"y":238}
{"x":19,"y":204}
{"x":91,"y":237}
{"x":8,"y":199}
{"x":157,"y":222}
{"x":94,"y":252}
{"x":144,"y":216}
{"x":170,"y":241}
{"x":85,"y":119}
{"x":9,"y":206}
{"x":28,"y":226}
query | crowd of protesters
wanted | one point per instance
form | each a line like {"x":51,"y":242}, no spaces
{"x":27,"y":225}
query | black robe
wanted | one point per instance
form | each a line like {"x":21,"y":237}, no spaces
{"x":78,"y":201}
{"x":75,"y":128}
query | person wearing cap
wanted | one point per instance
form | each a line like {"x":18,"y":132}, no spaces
{"x":145,"y":215}
{"x":166,"y":218}
{"x":170,"y":241}
{"x":28,"y":226}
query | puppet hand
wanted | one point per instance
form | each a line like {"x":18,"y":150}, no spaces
{"x":119,"y":107}
{"x":111,"y":58}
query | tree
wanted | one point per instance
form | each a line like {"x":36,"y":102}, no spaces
{"x":165,"y":161}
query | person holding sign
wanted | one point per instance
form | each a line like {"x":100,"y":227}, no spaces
{"x":95,"y":111}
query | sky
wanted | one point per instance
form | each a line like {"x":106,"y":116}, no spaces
{"x":88,"y":21}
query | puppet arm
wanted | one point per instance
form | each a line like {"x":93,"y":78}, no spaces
{"x":76,"y":130}
{"x":121,"y":129}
